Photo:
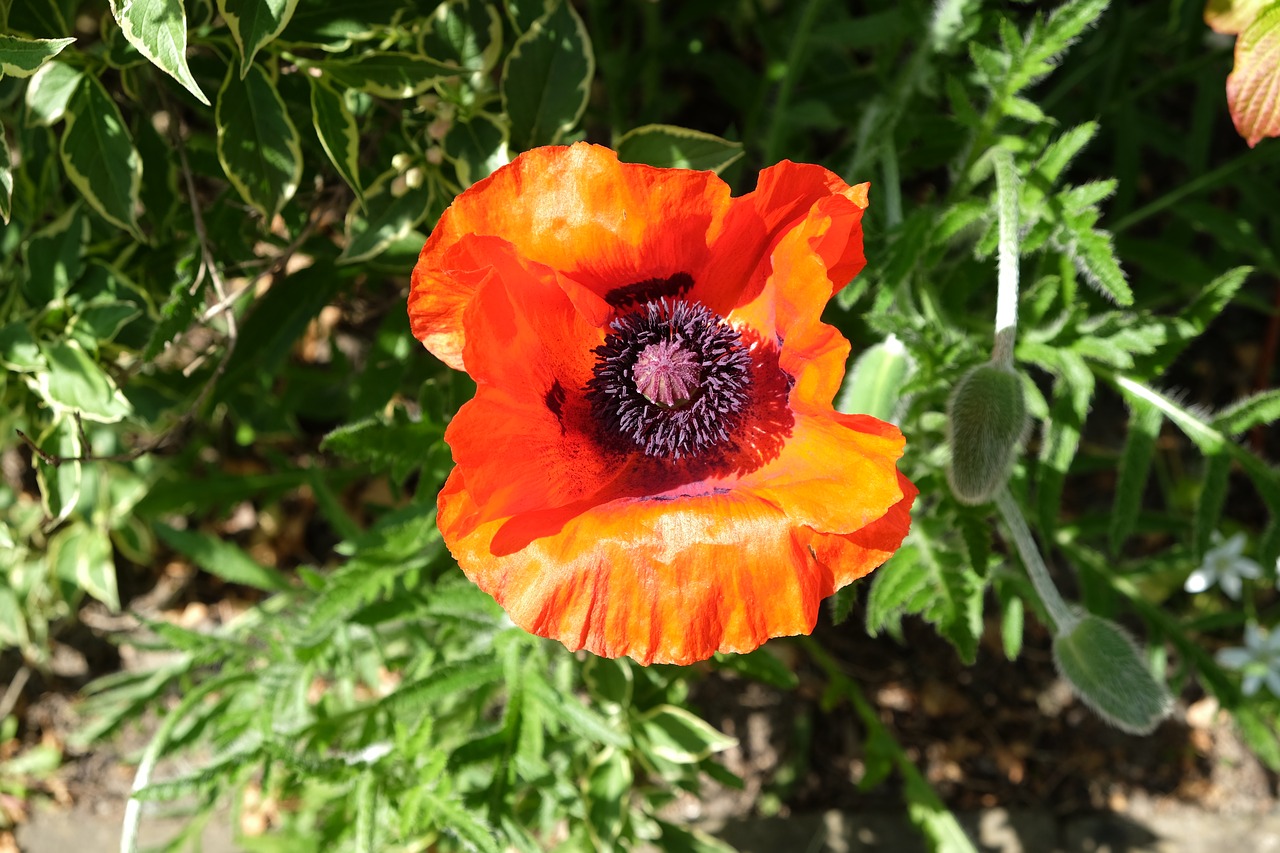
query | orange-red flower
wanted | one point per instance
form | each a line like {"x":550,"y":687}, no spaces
{"x":651,"y":465}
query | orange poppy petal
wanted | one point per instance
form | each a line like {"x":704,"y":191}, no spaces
{"x":605,"y":224}
{"x":853,"y":555}
{"x":658,"y":581}
{"x":524,"y":441}
{"x":835,"y":474}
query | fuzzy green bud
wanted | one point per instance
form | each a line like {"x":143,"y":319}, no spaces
{"x":986,"y":418}
{"x":1104,"y":668}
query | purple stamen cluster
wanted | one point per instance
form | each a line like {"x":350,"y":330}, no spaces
{"x":672,"y":377}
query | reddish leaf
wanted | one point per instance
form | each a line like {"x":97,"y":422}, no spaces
{"x":1253,"y":88}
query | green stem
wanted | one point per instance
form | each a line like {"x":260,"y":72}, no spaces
{"x":919,"y":792}
{"x":1061,"y":616}
{"x":795,"y":56}
{"x":1006,"y":259}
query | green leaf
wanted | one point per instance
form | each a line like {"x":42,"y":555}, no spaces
{"x":573,"y":715}
{"x":99,"y":157}
{"x":1145,"y":421}
{"x":1213,"y":495}
{"x":607,"y":788}
{"x":389,"y":75}
{"x":476,"y":147}
{"x":1059,"y":153}
{"x":762,"y":665}
{"x":1195,"y":424}
{"x":681,"y":737}
{"x":1092,"y":253}
{"x":466,"y":33}
{"x":393,"y":210}
{"x":6,"y":179}
{"x":1103,"y":666}
{"x":49,"y":91}
{"x":255,"y":23}
{"x":524,"y":13}
{"x":400,"y":444}
{"x":81,"y":554}
{"x":21,"y":57}
{"x":546,"y":79}
{"x":1011,"y":622}
{"x":338,"y":132}
{"x":223,"y":559}
{"x":1243,"y":415}
{"x":874,"y":385}
{"x":1072,"y":393}
{"x":75,"y":383}
{"x":258,"y":145}
{"x":673,"y":147}
{"x":13,"y":624}
{"x":60,"y":486}
{"x":158,"y":29}
{"x":53,"y":258}
{"x":176,"y":315}
{"x":18,"y":349}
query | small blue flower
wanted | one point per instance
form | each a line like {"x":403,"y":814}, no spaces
{"x":1224,"y":565}
{"x":1258,"y":660}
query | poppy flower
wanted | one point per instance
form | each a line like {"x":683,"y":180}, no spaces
{"x":651,"y":465}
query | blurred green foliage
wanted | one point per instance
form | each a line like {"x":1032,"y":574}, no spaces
{"x":209,"y":214}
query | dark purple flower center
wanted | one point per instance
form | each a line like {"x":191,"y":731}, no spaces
{"x":672,"y":378}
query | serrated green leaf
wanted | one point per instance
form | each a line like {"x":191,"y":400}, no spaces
{"x":546,"y":79}
{"x":476,"y":147}
{"x":466,"y":33}
{"x":258,"y":145}
{"x":338,"y":132}
{"x":576,"y":717}
{"x":20,"y":57}
{"x":457,"y":820}
{"x":80,"y":554}
{"x":1024,"y":110}
{"x":389,"y":75}
{"x":400,"y":444}
{"x":49,"y":91}
{"x":254,"y":24}
{"x":842,"y":604}
{"x":1196,"y":425}
{"x":1092,"y":253}
{"x":1145,"y":421}
{"x":671,"y":147}
{"x":221,"y":558}
{"x":417,"y":696}
{"x":158,"y":29}
{"x":386,"y":217}
{"x":75,"y":383}
{"x":1059,"y":153}
{"x":1243,"y":415}
{"x":99,"y":157}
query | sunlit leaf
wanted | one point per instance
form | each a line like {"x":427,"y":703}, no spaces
{"x":49,"y":91}
{"x":99,"y":156}
{"x":81,"y":554}
{"x":75,"y":383}
{"x":258,"y":145}
{"x":546,"y":79}
{"x":158,"y":29}
{"x":389,"y":75}
{"x":254,"y":23}
{"x":1253,"y":87}
{"x":224,"y":559}
{"x":677,"y":147}
{"x":338,"y":132}
{"x":20,"y":57}
{"x":392,"y":209}
{"x":466,"y":33}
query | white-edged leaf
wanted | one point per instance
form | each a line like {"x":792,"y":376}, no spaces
{"x":679,"y":736}
{"x":80,"y":554}
{"x":467,"y":33}
{"x":60,"y":486}
{"x":21,"y":57}
{"x":99,"y":156}
{"x":386,"y":216}
{"x":338,"y":132}
{"x":389,"y":74}
{"x":255,"y":23}
{"x":49,"y":91}
{"x":158,"y":29}
{"x":546,"y":79}
{"x":476,"y":147}
{"x":258,"y":145}
{"x":677,"y":147}
{"x":75,"y":383}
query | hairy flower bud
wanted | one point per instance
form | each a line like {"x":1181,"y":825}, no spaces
{"x":986,"y":418}
{"x":1105,"y":669}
